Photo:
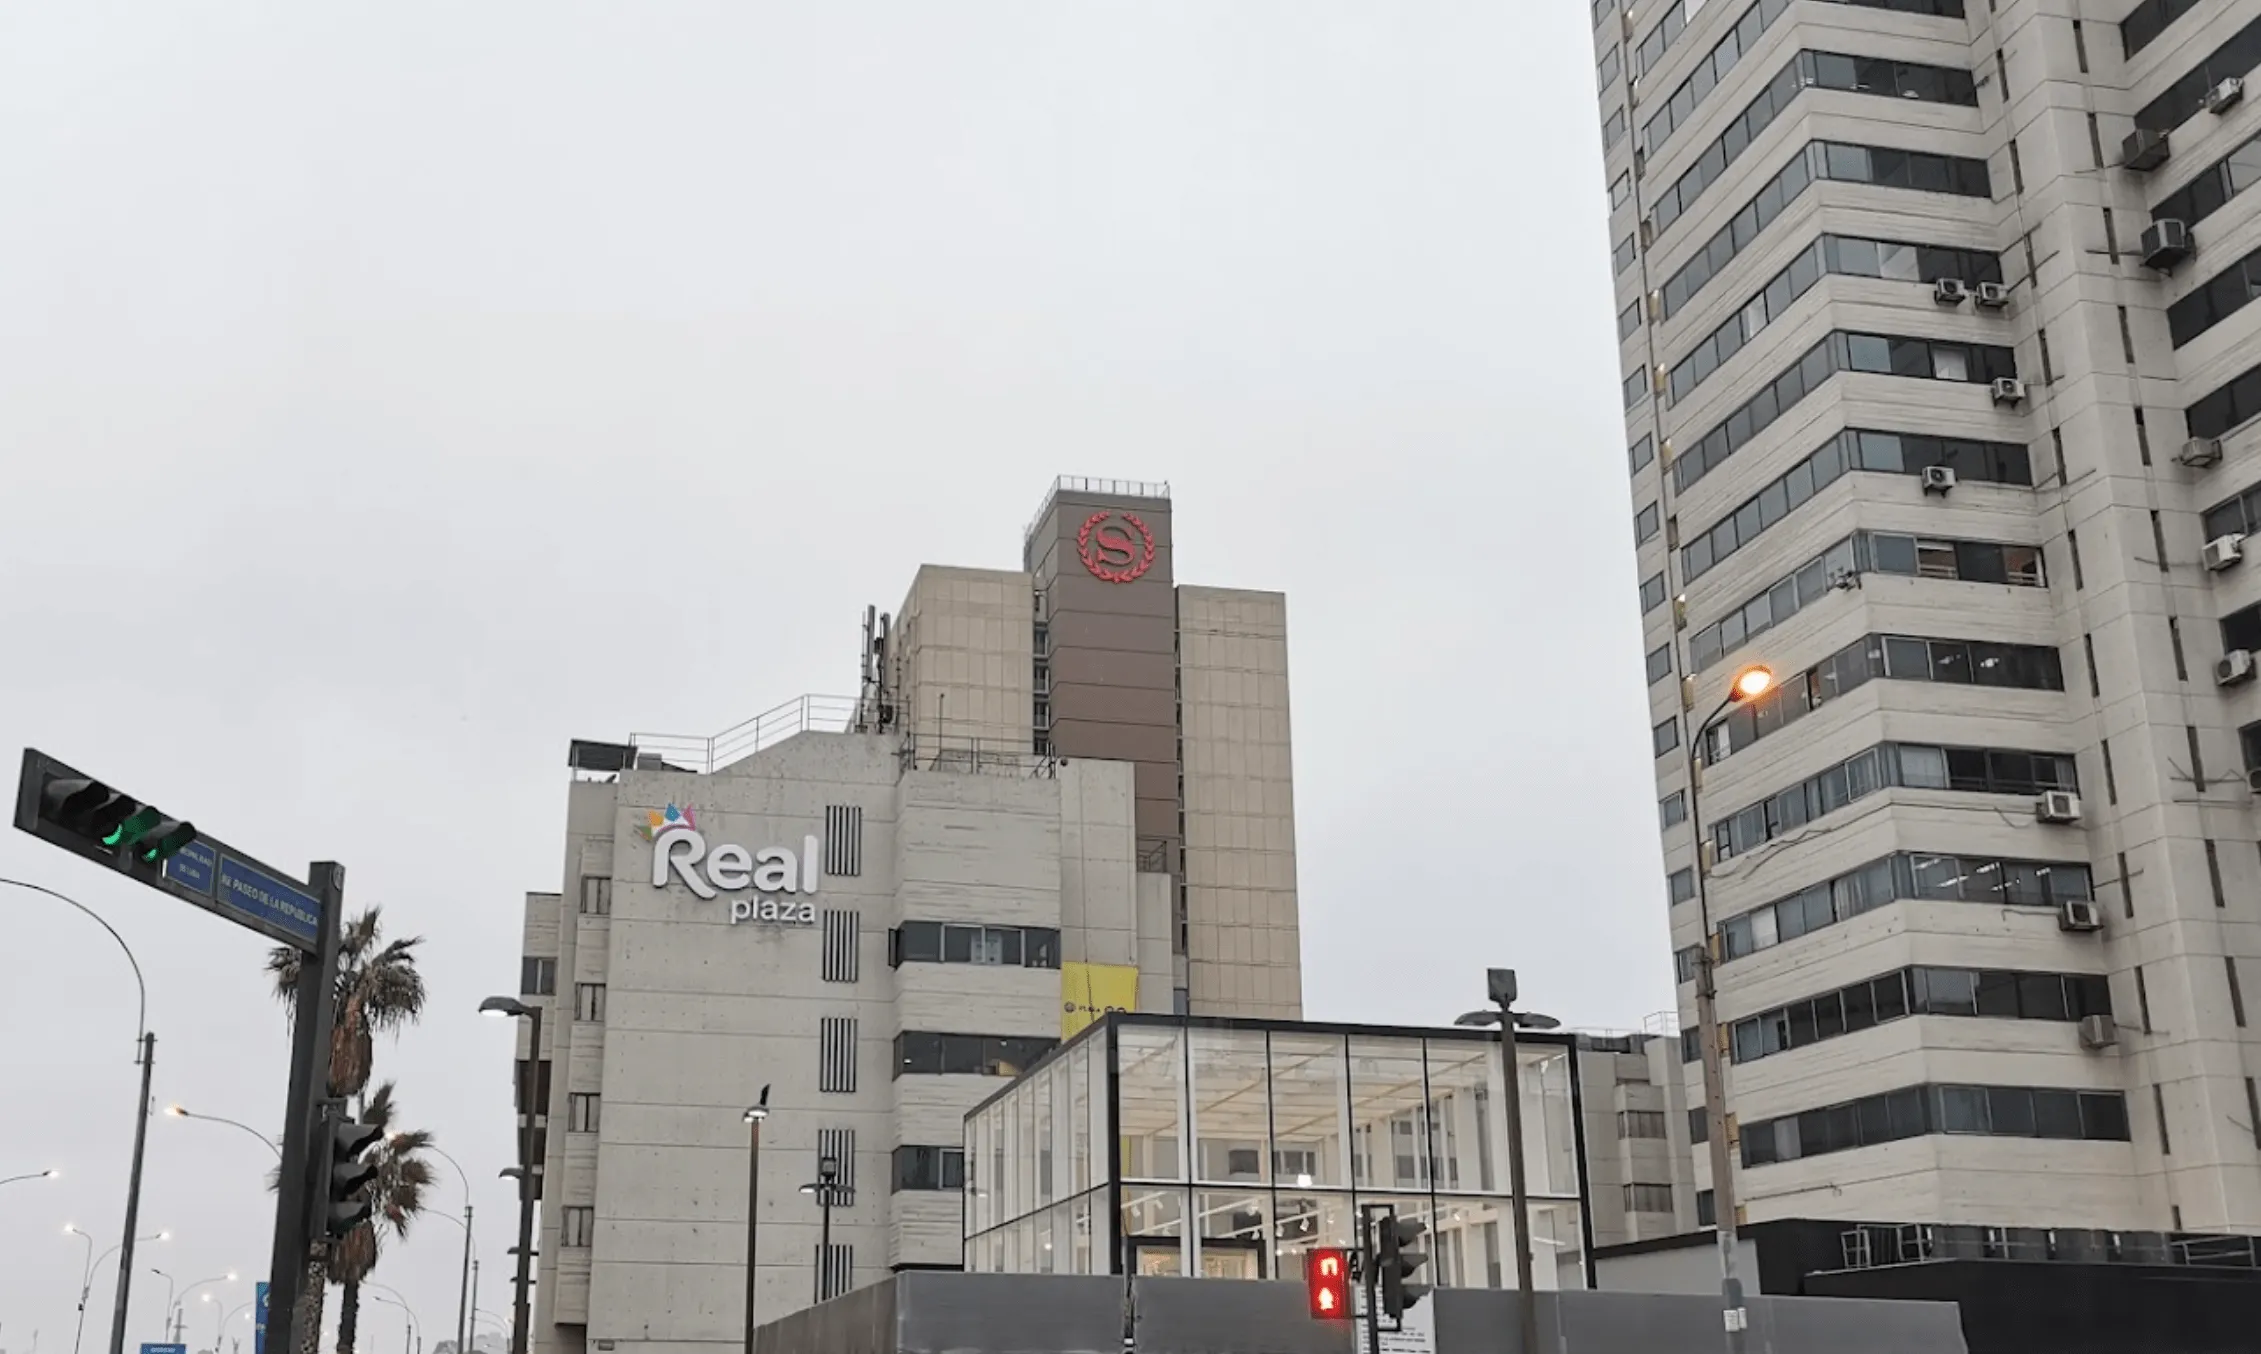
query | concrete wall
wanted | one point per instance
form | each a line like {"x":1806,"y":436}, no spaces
{"x":1028,"y":1314}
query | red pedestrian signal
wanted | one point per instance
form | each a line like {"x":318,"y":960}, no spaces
{"x":1326,"y":1274}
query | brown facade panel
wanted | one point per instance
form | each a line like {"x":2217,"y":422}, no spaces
{"x":1117,"y":742}
{"x":1081,"y":703}
{"x":1114,"y":632}
{"x":1115,"y":668}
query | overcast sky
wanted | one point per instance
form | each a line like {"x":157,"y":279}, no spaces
{"x":389,"y":394}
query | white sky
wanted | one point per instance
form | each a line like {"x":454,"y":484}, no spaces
{"x":389,"y":394}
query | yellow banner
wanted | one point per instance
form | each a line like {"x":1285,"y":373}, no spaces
{"x":1089,"y":991}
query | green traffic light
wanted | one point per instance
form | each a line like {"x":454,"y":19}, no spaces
{"x":134,"y":828}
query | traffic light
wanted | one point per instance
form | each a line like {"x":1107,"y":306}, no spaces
{"x":100,"y":823}
{"x":1326,"y":1275}
{"x":344,"y":1175}
{"x":1396,"y":1258}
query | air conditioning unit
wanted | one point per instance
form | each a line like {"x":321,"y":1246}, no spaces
{"x":2057,"y":806}
{"x":1949,"y":291}
{"x":2199,"y":453}
{"x":2234,"y":667}
{"x":2079,"y":914}
{"x":2223,"y":551}
{"x":2098,"y":1031}
{"x":2225,"y":96}
{"x":2144,"y":150}
{"x":1938,"y":479}
{"x":1992,"y":296}
{"x":2165,"y":244}
{"x":2008,"y":390}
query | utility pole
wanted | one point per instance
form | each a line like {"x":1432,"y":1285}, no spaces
{"x":133,"y":1198}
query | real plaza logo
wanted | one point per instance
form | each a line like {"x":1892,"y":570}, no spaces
{"x":679,"y":847}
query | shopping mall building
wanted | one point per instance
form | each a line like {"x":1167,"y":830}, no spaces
{"x":1060,"y":789}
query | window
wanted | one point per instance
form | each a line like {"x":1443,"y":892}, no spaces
{"x":1916,"y":1111}
{"x":541,"y":1074}
{"x":1613,"y":129}
{"x":1825,"y":70}
{"x":1652,"y":597}
{"x":986,"y":1055}
{"x":1914,"y":765}
{"x":2214,"y":187}
{"x":933,"y":942}
{"x":1819,"y":160}
{"x":2239,"y":515}
{"x":1640,"y":1123}
{"x":1622,"y":257}
{"x":1620,"y":190}
{"x":1846,"y":255}
{"x":1660,"y":662}
{"x":1648,"y":1198}
{"x":1672,"y":809}
{"x":577,"y":1225}
{"x":1706,"y":1215}
{"x":581,"y":1112}
{"x":2186,"y":96}
{"x":589,"y":1002}
{"x":2148,"y":20}
{"x":836,"y":1055}
{"x":2215,"y":413}
{"x":1629,"y":320}
{"x":1645,"y":524}
{"x":537,"y":977}
{"x":2000,"y":994}
{"x":1680,"y":886}
{"x":1636,"y":386}
{"x":1641,"y":453}
{"x":1709,"y":71}
{"x":1884,"y":657}
{"x":596,"y":896}
{"x":1665,"y":736}
{"x":930,"y":1168}
{"x":1972,"y":879}
{"x":1877,"y":354}
{"x":1606,"y":69}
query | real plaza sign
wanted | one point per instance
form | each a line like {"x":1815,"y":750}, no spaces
{"x":680,"y":849}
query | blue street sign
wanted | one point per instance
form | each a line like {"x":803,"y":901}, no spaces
{"x":254,"y":893}
{"x":259,"y":1320}
{"x":194,"y":867}
{"x":164,"y":1349}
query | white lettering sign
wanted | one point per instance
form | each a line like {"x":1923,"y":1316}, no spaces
{"x":683,"y":853}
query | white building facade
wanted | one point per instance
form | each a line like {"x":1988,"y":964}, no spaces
{"x":1938,"y":370}
{"x":880,"y":909}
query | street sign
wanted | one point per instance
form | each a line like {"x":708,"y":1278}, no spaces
{"x":164,"y":1349}
{"x":259,"y":1318}
{"x":206,"y":872}
{"x":1416,"y":1332}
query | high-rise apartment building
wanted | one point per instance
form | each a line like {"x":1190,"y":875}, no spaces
{"x":1060,"y":790}
{"x":1938,"y":367}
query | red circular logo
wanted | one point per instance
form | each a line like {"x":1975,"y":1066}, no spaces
{"x":1110,"y":551}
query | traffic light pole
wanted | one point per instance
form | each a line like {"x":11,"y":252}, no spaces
{"x":1370,"y":1276}
{"x":133,"y":1198}
{"x":313,"y":1016}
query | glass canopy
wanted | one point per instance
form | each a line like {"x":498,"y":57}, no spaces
{"x":1240,"y":1144}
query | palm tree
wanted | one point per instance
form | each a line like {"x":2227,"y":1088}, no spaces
{"x":396,"y":1196}
{"x":378,"y":991}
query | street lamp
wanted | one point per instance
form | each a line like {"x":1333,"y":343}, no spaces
{"x":183,"y":1112}
{"x":754,"y":1115}
{"x":94,"y":1262}
{"x":165,"y":1314}
{"x":1749,"y":684}
{"x":463,"y":1286}
{"x":514,"y":1009}
{"x":244,"y":1310}
{"x":826,"y":1188}
{"x":180,"y":1314}
{"x":35,"y":1175}
{"x":1500,"y":983}
{"x":412,"y":1330}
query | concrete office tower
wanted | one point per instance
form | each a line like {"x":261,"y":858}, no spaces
{"x":1634,"y":1118}
{"x":879,"y":905}
{"x":1937,"y":368}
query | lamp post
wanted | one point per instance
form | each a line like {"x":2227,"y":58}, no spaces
{"x":755,"y":1114}
{"x":165,"y":1314}
{"x":411,"y":1330}
{"x":180,"y":1313}
{"x":529,"y":1082}
{"x":182,"y":1112}
{"x":221,"y":1329}
{"x":1749,"y":684}
{"x":35,"y":1175}
{"x":93,"y":1263}
{"x":826,"y":1188}
{"x":1500,"y":983}
{"x":463,"y":1283}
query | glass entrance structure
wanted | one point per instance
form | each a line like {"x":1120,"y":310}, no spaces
{"x":1227,"y":1148}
